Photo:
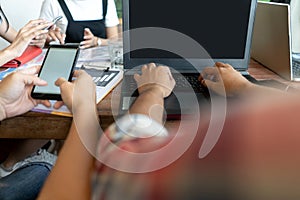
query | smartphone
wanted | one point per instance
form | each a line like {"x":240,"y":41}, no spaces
{"x":59,"y":61}
{"x":54,"y":22}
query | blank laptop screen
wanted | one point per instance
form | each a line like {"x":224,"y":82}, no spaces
{"x":220,"y":26}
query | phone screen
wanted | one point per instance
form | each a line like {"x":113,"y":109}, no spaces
{"x":59,"y":62}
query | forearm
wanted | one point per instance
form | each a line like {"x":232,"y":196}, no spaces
{"x":111,"y":32}
{"x":150,"y":103}
{"x":261,"y":90}
{"x":70,"y":177}
{"x":6,"y":55}
{"x":10,"y":34}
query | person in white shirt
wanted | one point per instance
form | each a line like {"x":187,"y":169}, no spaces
{"x":88,"y":22}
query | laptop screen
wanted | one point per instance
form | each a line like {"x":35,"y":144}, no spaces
{"x":222,"y":28}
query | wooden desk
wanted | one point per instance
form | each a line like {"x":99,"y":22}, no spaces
{"x":260,"y":72}
{"x":47,"y":126}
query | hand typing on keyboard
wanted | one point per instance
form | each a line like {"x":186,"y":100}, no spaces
{"x":155,"y":77}
{"x":223,"y":76}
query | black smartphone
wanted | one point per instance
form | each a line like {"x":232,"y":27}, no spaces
{"x":59,"y":61}
{"x":54,"y":22}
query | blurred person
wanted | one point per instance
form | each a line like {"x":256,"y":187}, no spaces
{"x":89,"y":23}
{"x":155,"y":83}
{"x":256,"y":156}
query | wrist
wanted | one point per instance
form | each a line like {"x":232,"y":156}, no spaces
{"x":8,"y":54}
{"x":97,"y":42}
{"x":250,"y":86}
{"x":246,"y":88}
{"x":153,"y":89}
{"x":84,"y":107}
{"x":86,"y":114}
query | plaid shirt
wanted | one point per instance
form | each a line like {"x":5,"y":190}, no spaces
{"x":132,"y":133}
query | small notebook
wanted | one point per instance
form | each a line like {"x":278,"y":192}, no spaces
{"x":30,"y":53}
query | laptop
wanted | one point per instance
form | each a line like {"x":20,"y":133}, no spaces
{"x":271,"y":44}
{"x":186,"y":36}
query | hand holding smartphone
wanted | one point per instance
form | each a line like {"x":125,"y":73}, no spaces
{"x":59,"y":61}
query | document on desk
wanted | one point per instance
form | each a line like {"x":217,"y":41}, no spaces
{"x":105,"y":80}
{"x":96,"y":56}
{"x":62,"y":111}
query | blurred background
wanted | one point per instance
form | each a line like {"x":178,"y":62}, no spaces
{"x":19,"y":12}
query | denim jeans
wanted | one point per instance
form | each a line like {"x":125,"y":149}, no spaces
{"x":25,"y":183}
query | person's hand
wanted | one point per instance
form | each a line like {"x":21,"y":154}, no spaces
{"x":153,"y":77}
{"x":89,"y":39}
{"x":15,"y":91}
{"x":32,"y":33}
{"x":55,"y":34}
{"x":39,"y":40}
{"x":78,"y":93}
{"x":224,"y":75}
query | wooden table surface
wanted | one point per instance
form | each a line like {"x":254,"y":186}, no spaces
{"x":48,"y":126}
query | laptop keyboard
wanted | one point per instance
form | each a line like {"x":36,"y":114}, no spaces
{"x":182,"y":83}
{"x":189,"y":80}
{"x":296,"y":68}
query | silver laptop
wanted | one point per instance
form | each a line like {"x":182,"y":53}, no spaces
{"x":187,"y":36}
{"x":271,"y":43}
